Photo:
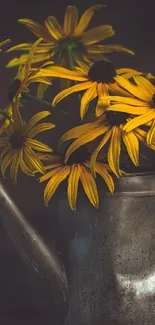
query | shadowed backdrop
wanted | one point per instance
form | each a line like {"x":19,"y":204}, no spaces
{"x":134,"y":25}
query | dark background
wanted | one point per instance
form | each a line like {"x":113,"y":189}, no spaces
{"x":134,"y":23}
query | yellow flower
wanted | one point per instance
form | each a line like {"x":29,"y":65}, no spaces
{"x":142,"y":103}
{"x":110,"y":126}
{"x":97,"y":80}
{"x":77,"y":169}
{"x":69,"y":42}
{"x":26,"y":75}
{"x":19,"y":145}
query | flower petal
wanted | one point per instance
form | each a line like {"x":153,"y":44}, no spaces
{"x":15,"y":166}
{"x":60,"y":72}
{"x":132,"y":145}
{"x":151,"y":133}
{"x":139,"y":120}
{"x":114,"y":151}
{"x":41,"y":90}
{"x":128,"y":100}
{"x":32,"y":161}
{"x":128,"y":73}
{"x":87,"y":137}
{"x":64,"y":93}
{"x":88,"y":96}
{"x":54,"y":182}
{"x":54,"y":28}
{"x":30,"y":57}
{"x":134,"y":90}
{"x":89,"y":186}
{"x":70,"y":20}
{"x":36,"y":118}
{"x":7,"y":161}
{"x":97,"y":150}
{"x":78,"y":131}
{"x":41,"y":127}
{"x":145,"y":85}
{"x":36,"y":59}
{"x":37,"y":29}
{"x":97,"y":34}
{"x":86,"y":18}
{"x":23,"y":166}
{"x":50,"y":174}
{"x":102,"y":170}
{"x":103,"y":100}
{"x":109,"y":48}
{"x":73,"y":182}
{"x":37,"y":145}
{"x":129,"y":109}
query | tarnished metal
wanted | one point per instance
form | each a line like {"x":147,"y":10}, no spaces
{"x":111,"y":255}
{"x":41,"y":260}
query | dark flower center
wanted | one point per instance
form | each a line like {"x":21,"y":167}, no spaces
{"x":153,"y":101}
{"x":102,"y":71}
{"x":13,"y":89}
{"x":17,"y":139}
{"x":78,"y":156}
{"x":116,"y":118}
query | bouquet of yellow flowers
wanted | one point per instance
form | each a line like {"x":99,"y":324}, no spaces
{"x":116,"y":108}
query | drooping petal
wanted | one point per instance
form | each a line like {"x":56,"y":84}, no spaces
{"x":97,"y":150}
{"x":128,"y":100}
{"x":51,"y":173}
{"x":85,"y":19}
{"x":41,"y":90}
{"x":4,"y":141}
{"x":36,"y":29}
{"x":60,"y":73}
{"x":103,"y":172}
{"x":134,"y":90}
{"x":78,"y":131}
{"x":70,"y":20}
{"x":88,"y":96}
{"x":42,"y":48}
{"x":15,"y":166}
{"x":37,"y":145}
{"x":36,"y":118}
{"x":7,"y":161}
{"x":151,"y":133}
{"x":128,"y":73}
{"x":145,"y":85}
{"x":27,"y":66}
{"x":64,"y":93}
{"x":54,"y":182}
{"x":97,"y":34}
{"x":36,"y":59}
{"x":134,"y":110}
{"x":141,"y":135}
{"x":109,"y":48}
{"x":32,"y":161}
{"x":54,"y":28}
{"x":132,"y":145}
{"x":139,"y":120}
{"x":23,"y":166}
{"x":87,"y":137}
{"x":73,"y":182}
{"x":41,"y":127}
{"x":89,"y":186}
{"x":103,"y":99}
{"x":114,"y":151}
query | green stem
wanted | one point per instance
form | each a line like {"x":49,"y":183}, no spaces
{"x":70,"y":58}
{"x":28,"y":96}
